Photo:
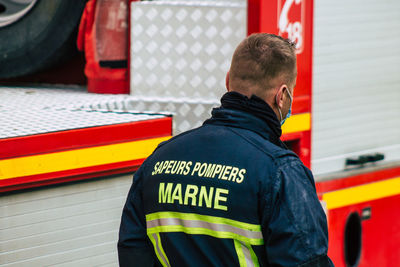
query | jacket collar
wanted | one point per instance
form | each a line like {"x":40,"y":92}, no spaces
{"x":252,"y":114}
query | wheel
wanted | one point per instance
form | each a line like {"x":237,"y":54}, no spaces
{"x":35,"y":34}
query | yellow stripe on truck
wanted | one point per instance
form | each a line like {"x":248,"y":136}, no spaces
{"x":78,"y":158}
{"x":297,"y":123}
{"x":81,"y":158}
{"x":362,"y":193}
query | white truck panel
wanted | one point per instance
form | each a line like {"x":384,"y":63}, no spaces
{"x":65,"y":225}
{"x":356,"y":82}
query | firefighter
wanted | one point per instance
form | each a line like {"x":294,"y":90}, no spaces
{"x":229,"y":193}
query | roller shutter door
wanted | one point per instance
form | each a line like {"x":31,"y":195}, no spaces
{"x":68,"y":225}
{"x":356,"y":81}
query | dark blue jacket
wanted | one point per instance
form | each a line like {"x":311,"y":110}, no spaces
{"x":223,"y":195}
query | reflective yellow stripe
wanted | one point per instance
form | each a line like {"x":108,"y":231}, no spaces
{"x":79,"y":158}
{"x":206,"y":218}
{"x":362,"y":193}
{"x":239,"y":251}
{"x":246,"y":255}
{"x":253,"y":256}
{"x":204,"y":231}
{"x":158,"y":249}
{"x":297,"y":123}
{"x":205,"y":225}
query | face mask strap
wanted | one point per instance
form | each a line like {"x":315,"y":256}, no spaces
{"x":290,"y":96}
{"x":290,"y":109}
{"x":280,"y":113}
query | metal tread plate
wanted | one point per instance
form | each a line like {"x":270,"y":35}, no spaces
{"x":29,"y":111}
{"x":182,"y":49}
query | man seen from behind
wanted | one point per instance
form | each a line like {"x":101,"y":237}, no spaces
{"x":229,"y":193}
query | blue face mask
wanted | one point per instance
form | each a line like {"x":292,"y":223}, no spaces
{"x":290,"y":109}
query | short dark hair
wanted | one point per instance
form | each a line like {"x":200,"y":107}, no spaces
{"x":262,"y":57}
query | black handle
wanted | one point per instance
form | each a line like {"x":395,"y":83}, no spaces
{"x":363,"y":159}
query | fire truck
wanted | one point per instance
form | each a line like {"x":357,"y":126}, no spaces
{"x":67,"y":156}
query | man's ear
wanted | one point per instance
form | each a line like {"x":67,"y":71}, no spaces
{"x":227,"y":81}
{"x":279,"y":97}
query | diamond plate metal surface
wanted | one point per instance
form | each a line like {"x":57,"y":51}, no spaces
{"x":46,"y":97}
{"x":26,"y":111}
{"x":182,"y":50}
{"x":33,"y":111}
{"x":187,"y":114}
{"x":180,"y":53}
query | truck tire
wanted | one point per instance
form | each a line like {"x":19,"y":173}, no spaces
{"x":37,"y":35}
